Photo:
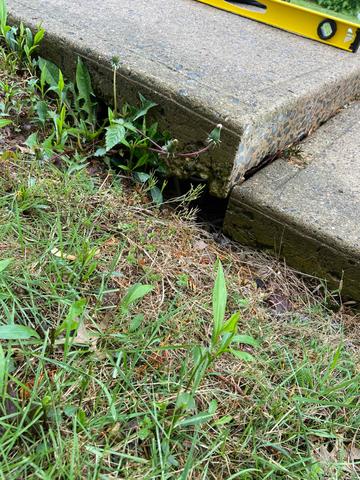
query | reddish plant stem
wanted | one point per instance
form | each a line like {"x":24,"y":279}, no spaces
{"x":160,"y":151}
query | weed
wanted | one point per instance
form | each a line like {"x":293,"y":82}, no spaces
{"x":19,"y":40}
{"x":67,"y":115}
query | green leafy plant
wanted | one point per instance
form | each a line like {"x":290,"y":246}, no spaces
{"x":4,"y":122}
{"x":224,"y":338}
{"x":78,"y":97}
{"x":84,"y":95}
{"x":133,"y":295}
{"x":16,"y":332}
{"x":19,"y":39}
{"x":140,"y":149}
{"x":3,"y":17}
{"x":70,"y":324}
{"x":4,"y":264}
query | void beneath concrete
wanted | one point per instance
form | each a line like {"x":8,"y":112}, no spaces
{"x":203,"y":66}
{"x":306,"y":208}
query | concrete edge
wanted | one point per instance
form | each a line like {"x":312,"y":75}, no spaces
{"x":270,"y":130}
{"x":257,"y":226}
{"x":290,"y":121}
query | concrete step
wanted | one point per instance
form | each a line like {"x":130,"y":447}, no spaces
{"x":306,"y":208}
{"x":203,"y":66}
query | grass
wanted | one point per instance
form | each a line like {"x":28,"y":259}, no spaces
{"x":94,"y":394}
{"x":312,"y":5}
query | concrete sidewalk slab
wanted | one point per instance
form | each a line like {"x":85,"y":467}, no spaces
{"x":203,"y":66}
{"x":308,"y":214}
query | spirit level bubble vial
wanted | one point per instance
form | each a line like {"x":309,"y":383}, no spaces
{"x":313,"y":24}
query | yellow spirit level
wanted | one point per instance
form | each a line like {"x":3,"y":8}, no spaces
{"x":317,"y":25}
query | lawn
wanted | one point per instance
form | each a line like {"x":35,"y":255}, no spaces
{"x":114,"y":353}
{"x":313,"y":5}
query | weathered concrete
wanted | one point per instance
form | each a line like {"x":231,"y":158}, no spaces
{"x":308,"y":213}
{"x":203,"y":66}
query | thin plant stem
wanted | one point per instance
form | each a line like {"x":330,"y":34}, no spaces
{"x":115,"y":92}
